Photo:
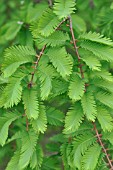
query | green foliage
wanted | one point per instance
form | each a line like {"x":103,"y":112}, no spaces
{"x":73,"y":118}
{"x":61,"y":60}
{"x":56,"y":77}
{"x":63,"y":8}
{"x":31,"y":104}
{"x":89,"y":106}
{"x":47,"y":23}
{"x":14,"y":57}
{"x":5,"y":122}
{"x":76,"y":87}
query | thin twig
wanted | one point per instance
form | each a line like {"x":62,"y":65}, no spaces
{"x":50,"y":3}
{"x":76,"y":48}
{"x":30,"y":84}
{"x":102,"y":145}
{"x":82,"y":75}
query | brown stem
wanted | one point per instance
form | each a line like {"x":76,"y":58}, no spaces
{"x":50,"y":3}
{"x":30,"y":84}
{"x":82,"y":75}
{"x":76,"y":48}
{"x":102,"y":145}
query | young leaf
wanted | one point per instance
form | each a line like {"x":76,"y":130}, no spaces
{"x":13,"y":163}
{"x":57,"y":38}
{"x":31,"y":104}
{"x":89,"y":106}
{"x":90,"y":59}
{"x":90,"y":160}
{"x":61,"y":60}
{"x":11,"y":94}
{"x":46,"y":74}
{"x":37,"y":158}
{"x":96,"y":37}
{"x":73,"y":118}
{"x":81,"y":144}
{"x":76,"y":87}
{"x":54,"y":116}
{"x":105,"y":98}
{"x":5,"y":122}
{"x":40,"y":124}
{"x":63,"y":8}
{"x":14,"y":57}
{"x":105,"y":119}
{"x":47,"y":23}
{"x":29,"y":141}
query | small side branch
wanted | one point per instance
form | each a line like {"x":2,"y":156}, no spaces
{"x":75,"y":47}
{"x":50,"y":3}
{"x":30,"y":84}
{"x":102,"y":145}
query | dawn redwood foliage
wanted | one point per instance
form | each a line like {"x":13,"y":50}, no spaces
{"x":56,"y":95}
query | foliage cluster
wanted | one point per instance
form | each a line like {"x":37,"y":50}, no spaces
{"x":56,"y":102}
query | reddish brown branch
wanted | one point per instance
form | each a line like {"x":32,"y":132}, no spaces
{"x":75,"y":47}
{"x":50,"y":3}
{"x":82,"y":75}
{"x":102,"y":145}
{"x":30,"y":84}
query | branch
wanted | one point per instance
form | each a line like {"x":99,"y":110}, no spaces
{"x":76,"y":48}
{"x":50,"y":3}
{"x":30,"y":84}
{"x":82,"y":75}
{"x":102,"y":145}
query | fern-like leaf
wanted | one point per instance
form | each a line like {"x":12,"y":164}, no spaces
{"x":46,"y":74}
{"x":13,"y":163}
{"x":57,"y":38}
{"x":37,"y":158}
{"x":105,"y":119}
{"x":54,"y":116}
{"x":73,"y":118}
{"x":29,"y":141}
{"x":90,"y":59}
{"x":63,"y":8}
{"x":31,"y":104}
{"x":90,"y":159}
{"x":105,"y":98}
{"x":81,"y":144}
{"x":14,"y":57}
{"x":5,"y":122}
{"x":40,"y":124}
{"x":47,"y":23}
{"x":89,"y":106}
{"x":61,"y":60}
{"x":76,"y":87}
{"x":11,"y":94}
{"x":103,"y":74}
{"x":101,"y":51}
{"x":96,"y":37}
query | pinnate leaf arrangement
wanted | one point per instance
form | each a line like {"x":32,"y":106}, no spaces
{"x":58,"y":80}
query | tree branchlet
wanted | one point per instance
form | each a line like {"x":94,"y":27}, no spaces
{"x":102,"y":145}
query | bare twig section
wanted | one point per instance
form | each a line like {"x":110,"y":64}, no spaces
{"x":91,"y":4}
{"x":30,"y":84}
{"x":102,"y":145}
{"x":75,"y":47}
{"x":50,"y":3}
